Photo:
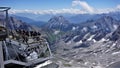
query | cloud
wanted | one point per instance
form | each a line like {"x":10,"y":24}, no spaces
{"x":108,"y":10}
{"x":50,"y":11}
{"x":83,"y":4}
{"x":118,"y":7}
{"x":65,"y":11}
{"x":86,"y":8}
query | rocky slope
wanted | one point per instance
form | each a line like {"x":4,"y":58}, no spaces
{"x":93,"y":45}
{"x":92,"y":30}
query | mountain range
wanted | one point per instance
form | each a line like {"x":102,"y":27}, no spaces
{"x":15,"y":23}
{"x":81,"y":40}
{"x":73,"y":18}
{"x":94,"y":43}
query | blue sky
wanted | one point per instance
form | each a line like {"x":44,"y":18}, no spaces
{"x":80,"y":6}
{"x":37,"y":4}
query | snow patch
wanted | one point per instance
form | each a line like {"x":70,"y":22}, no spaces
{"x":94,"y":40}
{"x":95,"y":27}
{"x":97,"y":67}
{"x":71,"y":62}
{"x":90,"y":38}
{"x":115,"y":27}
{"x":73,"y":28}
{"x":80,"y":42}
{"x":113,"y":44}
{"x":107,"y":39}
{"x":86,"y":63}
{"x":75,"y":37}
{"x":56,"y":32}
{"x":102,"y":40}
{"x":114,"y":53}
{"x":84,"y":29}
{"x":43,"y":64}
{"x":69,"y":42}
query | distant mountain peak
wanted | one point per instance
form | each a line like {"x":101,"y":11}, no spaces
{"x":58,"y":19}
{"x":59,"y":23}
{"x":107,"y":17}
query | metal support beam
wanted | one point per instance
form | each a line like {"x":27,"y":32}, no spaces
{"x":49,"y":49}
{"x":1,"y":55}
{"x":3,"y":9}
{"x":7,"y":22}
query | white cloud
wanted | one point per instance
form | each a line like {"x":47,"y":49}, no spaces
{"x":63,"y":11}
{"x":118,"y":7}
{"x":50,"y":11}
{"x":84,"y":5}
{"x":86,"y":8}
{"x":108,"y":10}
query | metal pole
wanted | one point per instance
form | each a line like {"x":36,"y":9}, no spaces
{"x":7,"y":23}
{"x":49,"y":50}
{"x":1,"y":42}
{"x":1,"y":55}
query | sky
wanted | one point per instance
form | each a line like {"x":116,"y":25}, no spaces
{"x":62,"y":6}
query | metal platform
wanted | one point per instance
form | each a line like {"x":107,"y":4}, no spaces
{"x":16,"y":54}
{"x":10,"y":63}
{"x":14,"y":63}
